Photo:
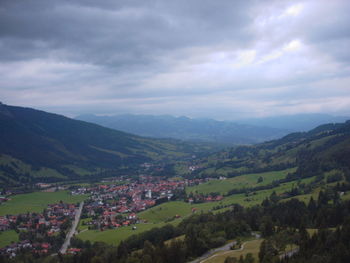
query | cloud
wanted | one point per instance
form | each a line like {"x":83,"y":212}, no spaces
{"x":220,"y":59}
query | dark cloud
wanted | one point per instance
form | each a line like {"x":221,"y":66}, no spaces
{"x":116,"y":33}
{"x":220,"y":59}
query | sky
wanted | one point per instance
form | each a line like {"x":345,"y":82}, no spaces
{"x":219,"y":59}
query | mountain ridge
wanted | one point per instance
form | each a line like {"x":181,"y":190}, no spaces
{"x":33,"y":140}
{"x":184,"y":128}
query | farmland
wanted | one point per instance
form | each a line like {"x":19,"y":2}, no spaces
{"x":114,"y":236}
{"x":36,"y":202}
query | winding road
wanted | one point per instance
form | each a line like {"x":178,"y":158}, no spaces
{"x":71,"y":232}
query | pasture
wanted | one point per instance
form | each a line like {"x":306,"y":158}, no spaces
{"x":238,"y":182}
{"x":115,"y":236}
{"x":36,"y":202}
{"x":7,"y":237}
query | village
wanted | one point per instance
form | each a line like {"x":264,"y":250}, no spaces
{"x":112,"y":204}
{"x":39,"y":232}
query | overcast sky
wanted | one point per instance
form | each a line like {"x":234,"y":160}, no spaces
{"x":219,"y":59}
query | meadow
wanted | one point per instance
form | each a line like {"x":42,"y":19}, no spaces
{"x":36,"y":202}
{"x":238,"y":182}
{"x":114,"y":236}
{"x":7,"y":237}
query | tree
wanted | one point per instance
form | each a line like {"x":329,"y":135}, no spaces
{"x":231,"y":260}
{"x":267,"y":252}
{"x":249,"y":258}
{"x":267,"y":227}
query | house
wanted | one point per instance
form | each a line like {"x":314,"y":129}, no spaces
{"x":132,"y":216}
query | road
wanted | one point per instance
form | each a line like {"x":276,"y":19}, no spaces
{"x":71,"y":232}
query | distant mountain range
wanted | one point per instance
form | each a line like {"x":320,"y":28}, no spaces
{"x":202,"y":130}
{"x":298,"y":122}
{"x":40,"y":146}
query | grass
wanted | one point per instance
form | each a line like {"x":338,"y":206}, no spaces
{"x":165,"y":211}
{"x":82,"y":227}
{"x":7,"y":237}
{"x":115,"y":236}
{"x":242,"y":181}
{"x":36,"y":202}
{"x":79,"y":170}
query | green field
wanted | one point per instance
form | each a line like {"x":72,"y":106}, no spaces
{"x":81,"y":226}
{"x":114,"y":236}
{"x":7,"y":237}
{"x":238,"y":182}
{"x":165,"y":211}
{"x":36,"y":202}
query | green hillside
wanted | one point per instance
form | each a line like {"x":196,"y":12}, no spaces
{"x":316,"y":152}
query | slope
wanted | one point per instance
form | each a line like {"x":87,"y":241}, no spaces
{"x":36,"y":144}
{"x":315,"y":152}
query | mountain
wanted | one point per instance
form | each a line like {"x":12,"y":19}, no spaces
{"x":298,"y":122}
{"x":205,"y":130}
{"x":316,"y":152}
{"x":40,"y":146}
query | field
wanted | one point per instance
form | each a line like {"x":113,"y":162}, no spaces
{"x":36,"y":202}
{"x":166,"y":211}
{"x":7,"y":237}
{"x":247,"y":180}
{"x":114,"y":236}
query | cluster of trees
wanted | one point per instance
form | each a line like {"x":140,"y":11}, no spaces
{"x":325,"y":246}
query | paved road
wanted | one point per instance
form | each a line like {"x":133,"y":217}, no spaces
{"x":71,"y":232}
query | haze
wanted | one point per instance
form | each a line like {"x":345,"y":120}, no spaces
{"x":216,"y":59}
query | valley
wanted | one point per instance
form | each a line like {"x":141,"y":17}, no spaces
{"x":146,"y":192}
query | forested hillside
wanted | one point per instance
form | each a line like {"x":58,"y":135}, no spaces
{"x":322,"y":149}
{"x":40,"y":146}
